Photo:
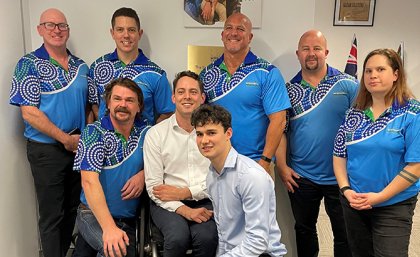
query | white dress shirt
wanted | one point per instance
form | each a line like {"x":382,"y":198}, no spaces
{"x":171,"y":157}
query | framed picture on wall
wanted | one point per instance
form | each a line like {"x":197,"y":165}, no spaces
{"x":354,"y":12}
{"x":213,"y":13}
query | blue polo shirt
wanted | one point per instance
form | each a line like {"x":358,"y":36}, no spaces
{"x":253,"y":92}
{"x":105,"y":151}
{"x":149,"y":77}
{"x":60,"y":94}
{"x":313,"y":121}
{"x":377,"y":150}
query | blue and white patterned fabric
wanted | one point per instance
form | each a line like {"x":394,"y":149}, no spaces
{"x":377,"y":151}
{"x":61,"y":95}
{"x":313,"y":121}
{"x":253,"y":92}
{"x":101,"y":149}
{"x":149,"y":77}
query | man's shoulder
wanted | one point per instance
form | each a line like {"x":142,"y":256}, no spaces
{"x":95,"y":127}
{"x":151,"y":66}
{"x":337,"y":75}
{"x":104,"y":58}
{"x":28,"y":59}
{"x":155,"y":132}
{"x":248,"y":167}
{"x":252,"y":176}
{"x":77,"y":60}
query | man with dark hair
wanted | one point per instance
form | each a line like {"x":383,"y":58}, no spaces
{"x":176,"y":176}
{"x":110,"y":159}
{"x":241,"y":191}
{"x":129,"y":61}
{"x":50,"y":87}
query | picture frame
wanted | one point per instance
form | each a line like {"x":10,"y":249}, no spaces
{"x":354,"y":12}
{"x":193,"y":12}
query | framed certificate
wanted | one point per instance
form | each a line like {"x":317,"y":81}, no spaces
{"x":354,"y":12}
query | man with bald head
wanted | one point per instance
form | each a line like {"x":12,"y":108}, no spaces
{"x":251,"y":89}
{"x":320,"y":96}
{"x":50,"y":87}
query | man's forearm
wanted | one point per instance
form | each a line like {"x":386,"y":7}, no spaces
{"x":37,"y":119}
{"x":96,"y":199}
{"x":274,"y":133}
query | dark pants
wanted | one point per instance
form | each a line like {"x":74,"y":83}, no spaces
{"x":305,"y":202}
{"x":381,"y":231}
{"x":83,"y":249}
{"x":180,"y":234}
{"x":58,"y":191}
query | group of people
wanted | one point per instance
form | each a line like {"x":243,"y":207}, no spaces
{"x":206,"y":148}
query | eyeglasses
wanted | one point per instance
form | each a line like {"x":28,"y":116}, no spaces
{"x":52,"y":25}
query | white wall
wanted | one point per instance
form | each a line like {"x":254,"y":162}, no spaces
{"x":395,"y":21}
{"x":165,"y":41}
{"x":18,"y":236}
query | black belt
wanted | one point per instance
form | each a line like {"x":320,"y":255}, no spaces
{"x":129,"y":221}
{"x":37,"y":142}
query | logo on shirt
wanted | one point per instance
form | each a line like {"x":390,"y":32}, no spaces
{"x":340,"y":93}
{"x":394,"y":131}
{"x":251,"y":84}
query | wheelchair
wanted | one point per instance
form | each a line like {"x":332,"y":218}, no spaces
{"x":142,"y":240}
{"x":150,"y":238}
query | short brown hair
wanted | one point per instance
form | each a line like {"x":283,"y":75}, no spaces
{"x":127,"y":83}
{"x":190,"y":74}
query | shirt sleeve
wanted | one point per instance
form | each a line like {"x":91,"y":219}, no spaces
{"x":199,"y":192}
{"x":26,"y":86}
{"x":162,"y":95}
{"x":154,"y":169}
{"x":274,"y":93}
{"x":93,"y":97}
{"x":412,"y":140}
{"x":90,"y":150}
{"x":353,"y":88}
{"x":256,"y":192}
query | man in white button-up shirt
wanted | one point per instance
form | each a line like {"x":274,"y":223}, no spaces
{"x":176,"y":176}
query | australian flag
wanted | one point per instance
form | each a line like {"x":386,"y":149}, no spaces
{"x":351,"y":66}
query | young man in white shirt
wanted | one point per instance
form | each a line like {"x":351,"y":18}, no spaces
{"x":176,"y":176}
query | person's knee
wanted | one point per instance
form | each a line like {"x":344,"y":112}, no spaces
{"x":207,"y":240}
{"x":180,"y":240}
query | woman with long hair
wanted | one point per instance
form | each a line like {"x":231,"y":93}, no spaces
{"x":377,"y":159}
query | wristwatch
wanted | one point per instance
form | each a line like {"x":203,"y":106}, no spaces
{"x":343,"y":189}
{"x":265,"y":158}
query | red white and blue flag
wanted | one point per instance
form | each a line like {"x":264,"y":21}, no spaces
{"x":351,"y":66}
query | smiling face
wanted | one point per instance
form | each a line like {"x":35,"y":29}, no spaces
{"x":187,"y":96}
{"x":379,"y":77}
{"x":126,"y":35}
{"x":123,"y":105}
{"x":312,"y":51}
{"x":237,"y":35}
{"x":53,"y":38}
{"x":213,"y":142}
